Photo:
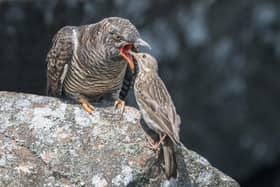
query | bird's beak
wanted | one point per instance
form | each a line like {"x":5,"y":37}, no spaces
{"x":140,"y":42}
{"x":125,"y":51}
{"x":136,"y":55}
{"x":126,"y":55}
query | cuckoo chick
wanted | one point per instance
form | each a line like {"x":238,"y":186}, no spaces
{"x":90,"y":61}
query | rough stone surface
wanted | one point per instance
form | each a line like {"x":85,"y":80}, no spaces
{"x":219,"y":59}
{"x":50,"y":142}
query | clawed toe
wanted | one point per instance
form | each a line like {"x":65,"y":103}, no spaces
{"x":155,"y":146}
{"x":120,"y":102}
{"x":87,"y":106}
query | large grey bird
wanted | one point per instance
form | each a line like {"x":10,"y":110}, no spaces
{"x":90,"y":61}
{"x":157,"y":109}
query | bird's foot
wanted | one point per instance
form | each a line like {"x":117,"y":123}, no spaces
{"x":155,"y":146}
{"x":120,"y":102}
{"x":162,"y":139}
{"x":87,"y":106}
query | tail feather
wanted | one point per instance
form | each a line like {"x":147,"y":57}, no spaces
{"x":169,"y":158}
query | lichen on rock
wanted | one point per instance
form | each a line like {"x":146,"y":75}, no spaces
{"x":50,"y":142}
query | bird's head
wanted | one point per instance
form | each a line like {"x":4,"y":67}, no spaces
{"x":121,"y":37}
{"x":145,"y":62}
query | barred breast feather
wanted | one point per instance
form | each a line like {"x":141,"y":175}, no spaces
{"x":75,"y":68}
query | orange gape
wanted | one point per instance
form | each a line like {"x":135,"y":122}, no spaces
{"x":124,"y":53}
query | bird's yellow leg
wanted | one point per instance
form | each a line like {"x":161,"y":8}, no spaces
{"x":120,"y":102}
{"x":87,"y":106}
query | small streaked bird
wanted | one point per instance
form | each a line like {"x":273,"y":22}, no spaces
{"x":157,"y":109}
{"x":90,"y":61}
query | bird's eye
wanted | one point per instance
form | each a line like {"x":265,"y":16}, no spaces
{"x":117,"y":37}
{"x":144,"y":56}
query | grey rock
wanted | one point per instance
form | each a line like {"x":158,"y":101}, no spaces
{"x":46,"y":141}
{"x":219,"y":59}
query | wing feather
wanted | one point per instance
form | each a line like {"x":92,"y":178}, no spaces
{"x":158,"y":103}
{"x":58,"y":59}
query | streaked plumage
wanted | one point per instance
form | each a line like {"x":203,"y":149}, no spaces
{"x":157,"y":108}
{"x":90,"y":61}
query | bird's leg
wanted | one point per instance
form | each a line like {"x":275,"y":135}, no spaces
{"x":161,"y":139}
{"x":119,"y":102}
{"x":86,"y":105}
{"x":155,"y":146}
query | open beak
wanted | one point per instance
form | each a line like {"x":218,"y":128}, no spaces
{"x":127,"y":56}
{"x":126,"y":49}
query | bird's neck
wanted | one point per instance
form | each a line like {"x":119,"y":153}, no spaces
{"x":90,"y":36}
{"x":91,"y":50}
{"x":145,"y":76}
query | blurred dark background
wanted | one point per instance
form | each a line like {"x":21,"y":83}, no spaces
{"x":219,"y":59}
